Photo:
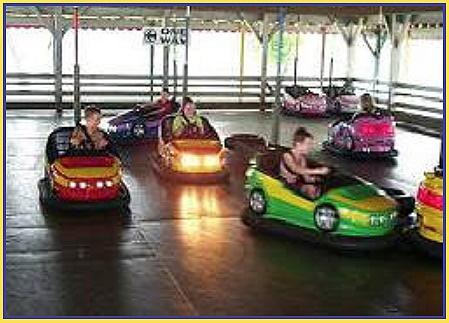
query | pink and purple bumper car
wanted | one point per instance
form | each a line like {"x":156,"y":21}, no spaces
{"x":363,"y":135}
{"x":301,"y":101}
{"x":342,"y":100}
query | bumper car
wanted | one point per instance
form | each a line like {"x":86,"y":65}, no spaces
{"x":349,"y":214}
{"x":80,"y":179}
{"x":301,"y":101}
{"x":363,"y":135}
{"x":341,"y":100}
{"x":192,"y":158}
{"x":140,"y":123}
{"x":429,"y":210}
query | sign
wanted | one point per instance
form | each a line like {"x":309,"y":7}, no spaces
{"x":165,"y":36}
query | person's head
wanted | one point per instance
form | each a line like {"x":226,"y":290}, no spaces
{"x":92,"y":114}
{"x":366,"y":102}
{"x":188,"y":107}
{"x":302,"y":141}
{"x":165,"y":94}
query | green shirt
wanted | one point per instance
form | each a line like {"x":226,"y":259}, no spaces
{"x":180,"y":123}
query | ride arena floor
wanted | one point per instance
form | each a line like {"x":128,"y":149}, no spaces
{"x":183,"y":250}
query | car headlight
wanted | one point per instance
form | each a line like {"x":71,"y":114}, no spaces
{"x":100,"y":184}
{"x":108,"y":183}
{"x":211,"y":161}
{"x":82,"y":185}
{"x":72,"y":184}
{"x":190,"y":161}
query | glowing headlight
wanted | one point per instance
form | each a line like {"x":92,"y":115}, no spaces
{"x":100,"y":184}
{"x":83,"y":185}
{"x":108,"y":183}
{"x":190,"y":161}
{"x":211,"y":161}
{"x":72,"y":184}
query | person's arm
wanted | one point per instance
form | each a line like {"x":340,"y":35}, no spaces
{"x":200,"y":124}
{"x":300,"y":170}
{"x":77,"y":137}
{"x":177,"y":127}
{"x":110,"y":145}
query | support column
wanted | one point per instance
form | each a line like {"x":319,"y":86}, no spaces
{"x":381,"y":36}
{"x":166,"y":53}
{"x":263,"y":67}
{"x":57,"y":57}
{"x":398,"y":32}
{"x":352,"y":36}
{"x":242,"y":59}
{"x":377,"y":53}
{"x":277,"y":105}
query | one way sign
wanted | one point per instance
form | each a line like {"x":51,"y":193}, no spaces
{"x":165,"y":36}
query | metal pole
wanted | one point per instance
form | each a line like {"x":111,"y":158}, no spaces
{"x":323,"y":52}
{"x":277,"y":106}
{"x":186,"y":59}
{"x":76,"y":80}
{"x":166,"y":54}
{"x":152,"y":72}
{"x":57,"y":57}
{"x":175,"y":66}
{"x":295,"y":76}
{"x":242,"y":59}
{"x":263,"y":68}
{"x":394,"y":61}
{"x":331,"y":69}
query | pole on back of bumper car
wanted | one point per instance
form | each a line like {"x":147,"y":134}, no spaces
{"x":323,"y":55}
{"x":166,"y":54}
{"x":175,"y":65}
{"x":295,"y":76}
{"x":186,"y":57}
{"x":263,"y":68}
{"x":57,"y":57}
{"x":152,"y":72}
{"x":76,"y":72}
{"x":277,"y":104}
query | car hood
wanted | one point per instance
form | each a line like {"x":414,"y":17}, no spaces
{"x":359,"y":194}
{"x":124,"y":118}
{"x":198,"y":146}
{"x":87,"y":167}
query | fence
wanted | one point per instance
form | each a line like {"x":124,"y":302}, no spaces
{"x":37,"y":91}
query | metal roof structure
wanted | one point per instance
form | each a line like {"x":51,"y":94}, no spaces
{"x":426,"y":20}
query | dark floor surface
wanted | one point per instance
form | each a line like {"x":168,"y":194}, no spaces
{"x":183,"y":250}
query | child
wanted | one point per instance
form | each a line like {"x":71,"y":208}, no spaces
{"x":187,"y":123}
{"x":89,"y":136}
{"x":367,"y":103}
{"x":294,"y":169}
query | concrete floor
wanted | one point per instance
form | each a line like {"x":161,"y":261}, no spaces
{"x":183,"y":251}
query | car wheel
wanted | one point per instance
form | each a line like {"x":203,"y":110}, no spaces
{"x":139,"y":130}
{"x":257,"y":202}
{"x":326,"y":218}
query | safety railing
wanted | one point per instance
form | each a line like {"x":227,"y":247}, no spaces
{"x":25,"y":89}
